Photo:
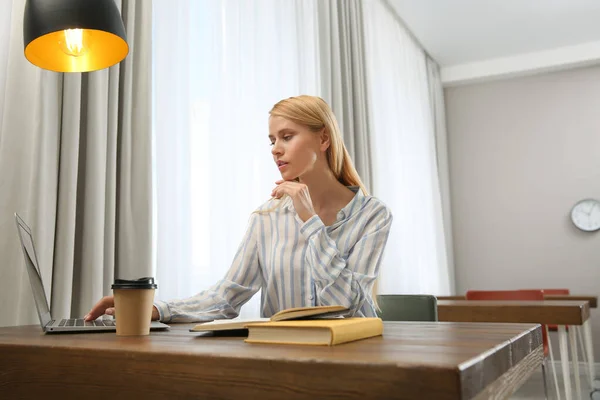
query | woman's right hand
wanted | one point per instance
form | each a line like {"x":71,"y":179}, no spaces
{"x":106,"y":306}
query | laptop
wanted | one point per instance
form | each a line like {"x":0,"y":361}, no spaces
{"x":49,"y":324}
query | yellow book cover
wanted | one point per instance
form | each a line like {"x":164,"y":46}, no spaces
{"x":324,"y":332}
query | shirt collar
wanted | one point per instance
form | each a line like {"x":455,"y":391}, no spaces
{"x":345,"y":212}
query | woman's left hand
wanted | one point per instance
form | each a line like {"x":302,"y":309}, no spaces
{"x":300,"y":196}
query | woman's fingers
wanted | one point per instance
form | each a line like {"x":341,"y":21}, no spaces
{"x":100,"y":308}
{"x":280,"y":190}
{"x":276,"y":194}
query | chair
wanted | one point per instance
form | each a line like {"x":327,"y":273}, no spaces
{"x":407,"y":307}
{"x":524,"y":295}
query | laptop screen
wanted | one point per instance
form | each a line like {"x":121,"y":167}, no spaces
{"x":33,"y":270}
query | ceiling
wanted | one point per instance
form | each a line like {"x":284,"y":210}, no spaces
{"x":458,"y":32}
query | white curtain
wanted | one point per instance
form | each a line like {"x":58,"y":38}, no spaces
{"x":5,"y":28}
{"x":405,"y":173}
{"x":219,"y":66}
{"x":438,"y":111}
{"x":74,"y":163}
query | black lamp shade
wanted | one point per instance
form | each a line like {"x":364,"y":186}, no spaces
{"x":73,"y":35}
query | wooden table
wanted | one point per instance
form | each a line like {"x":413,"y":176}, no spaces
{"x":557,"y":312}
{"x":548,"y":312}
{"x":410,"y":361}
{"x":593,"y":300}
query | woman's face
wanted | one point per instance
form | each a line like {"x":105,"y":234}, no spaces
{"x":296,"y":149}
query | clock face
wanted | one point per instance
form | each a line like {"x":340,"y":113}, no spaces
{"x":586,"y":215}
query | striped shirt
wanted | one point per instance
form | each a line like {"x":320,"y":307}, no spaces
{"x":297,"y":264}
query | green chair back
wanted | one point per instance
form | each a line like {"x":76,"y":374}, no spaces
{"x":407,"y":307}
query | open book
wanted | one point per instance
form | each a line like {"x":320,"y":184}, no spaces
{"x":284,"y":315}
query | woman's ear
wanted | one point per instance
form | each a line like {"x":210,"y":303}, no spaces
{"x":325,"y":140}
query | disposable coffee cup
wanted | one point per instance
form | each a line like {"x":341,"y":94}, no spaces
{"x":133,"y":306}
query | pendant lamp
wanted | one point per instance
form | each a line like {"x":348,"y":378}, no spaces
{"x":73,"y":35}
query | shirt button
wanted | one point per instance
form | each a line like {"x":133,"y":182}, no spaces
{"x":311,"y":297}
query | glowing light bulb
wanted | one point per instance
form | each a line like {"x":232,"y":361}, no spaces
{"x":76,"y":42}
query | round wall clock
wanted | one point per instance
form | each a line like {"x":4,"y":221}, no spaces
{"x":586,"y":215}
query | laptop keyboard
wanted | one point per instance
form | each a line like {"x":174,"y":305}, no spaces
{"x":82,"y":322}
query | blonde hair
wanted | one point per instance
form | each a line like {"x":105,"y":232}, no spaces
{"x":314,"y":113}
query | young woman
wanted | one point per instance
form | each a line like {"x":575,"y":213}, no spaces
{"x":318,"y":241}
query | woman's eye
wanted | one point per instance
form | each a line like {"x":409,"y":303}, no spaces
{"x":287,"y":138}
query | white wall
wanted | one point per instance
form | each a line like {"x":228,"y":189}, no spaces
{"x":522,"y":152}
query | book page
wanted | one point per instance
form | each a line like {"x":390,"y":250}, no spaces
{"x":226,"y":324}
{"x":304,"y":312}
